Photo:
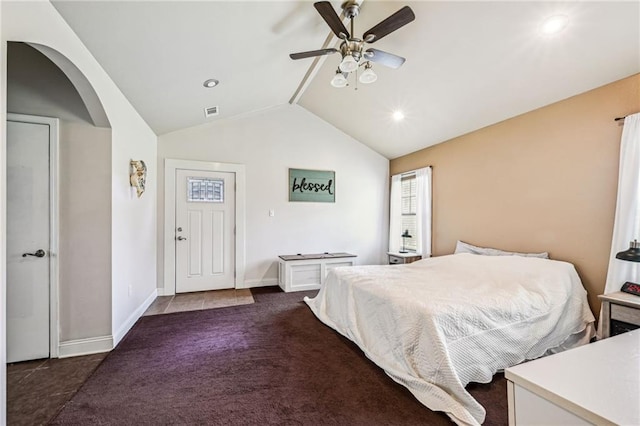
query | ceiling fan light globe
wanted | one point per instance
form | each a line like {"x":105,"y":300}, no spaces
{"x":348,"y":64}
{"x":368,"y":76}
{"x":339,"y":81}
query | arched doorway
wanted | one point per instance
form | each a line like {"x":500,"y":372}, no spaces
{"x":42,"y":82}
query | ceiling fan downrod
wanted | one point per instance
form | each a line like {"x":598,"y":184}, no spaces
{"x":351,"y":45}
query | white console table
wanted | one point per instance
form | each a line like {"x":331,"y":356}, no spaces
{"x":595,"y":384}
{"x":299,"y":272}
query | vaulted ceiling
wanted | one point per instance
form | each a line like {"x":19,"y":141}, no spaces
{"x":469,"y":64}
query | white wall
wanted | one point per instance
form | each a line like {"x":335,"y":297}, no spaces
{"x":268,"y":143}
{"x":133,"y":224}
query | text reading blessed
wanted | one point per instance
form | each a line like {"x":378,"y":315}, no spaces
{"x":304,"y":186}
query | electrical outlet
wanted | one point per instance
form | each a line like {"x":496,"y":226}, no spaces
{"x":130,"y":289}
{"x":272,"y":213}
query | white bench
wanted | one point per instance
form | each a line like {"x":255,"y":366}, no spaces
{"x":299,"y":272}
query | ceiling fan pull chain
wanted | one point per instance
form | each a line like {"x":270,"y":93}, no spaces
{"x":355,"y":80}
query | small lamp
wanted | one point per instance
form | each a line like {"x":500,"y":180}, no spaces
{"x":632,"y":254}
{"x":404,"y":235}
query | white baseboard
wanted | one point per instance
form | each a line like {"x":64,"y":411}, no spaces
{"x":92,"y":345}
{"x":258,"y":283}
{"x":117,"y":337}
{"x":247,"y":284}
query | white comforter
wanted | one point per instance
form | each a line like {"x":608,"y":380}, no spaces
{"x":440,"y":323}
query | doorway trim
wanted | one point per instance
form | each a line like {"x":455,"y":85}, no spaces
{"x":170,"y":167}
{"x":54,"y":194}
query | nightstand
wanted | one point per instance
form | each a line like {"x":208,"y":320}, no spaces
{"x":620,"y":313}
{"x":396,"y":258}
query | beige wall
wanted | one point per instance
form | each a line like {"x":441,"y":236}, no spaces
{"x":36,"y":86}
{"x":542,"y":181}
{"x":85,"y":231}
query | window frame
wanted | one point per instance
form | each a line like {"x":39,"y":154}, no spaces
{"x":409,"y":244}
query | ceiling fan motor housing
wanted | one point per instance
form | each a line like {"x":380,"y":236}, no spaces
{"x":351,"y":9}
{"x":352,"y":47}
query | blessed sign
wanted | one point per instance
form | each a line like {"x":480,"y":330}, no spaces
{"x":312,"y":185}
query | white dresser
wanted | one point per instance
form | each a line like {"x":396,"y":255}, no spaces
{"x":595,"y":384}
{"x":299,"y":272}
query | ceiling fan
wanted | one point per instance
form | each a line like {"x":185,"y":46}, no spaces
{"x":352,"y":49}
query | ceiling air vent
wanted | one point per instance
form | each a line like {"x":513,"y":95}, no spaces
{"x":211,"y":111}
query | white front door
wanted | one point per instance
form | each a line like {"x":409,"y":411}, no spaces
{"x":28,"y":233}
{"x":205,"y":227}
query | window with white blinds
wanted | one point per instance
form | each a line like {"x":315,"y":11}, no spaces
{"x":408,"y":211}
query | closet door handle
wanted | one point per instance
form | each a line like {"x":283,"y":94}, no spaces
{"x":181,"y":238}
{"x":38,"y":253}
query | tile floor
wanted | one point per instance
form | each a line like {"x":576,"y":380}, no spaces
{"x":37,"y":390}
{"x":199,"y":300}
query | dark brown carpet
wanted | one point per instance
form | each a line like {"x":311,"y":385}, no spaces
{"x":271,"y":363}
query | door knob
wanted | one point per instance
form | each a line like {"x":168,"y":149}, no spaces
{"x":181,"y":238}
{"x":38,"y":253}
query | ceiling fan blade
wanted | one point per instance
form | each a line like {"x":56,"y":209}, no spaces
{"x":387,"y":59}
{"x":389,"y":25}
{"x":332,"y":19}
{"x":312,"y":53}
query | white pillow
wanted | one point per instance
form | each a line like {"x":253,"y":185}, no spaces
{"x":462,"y":247}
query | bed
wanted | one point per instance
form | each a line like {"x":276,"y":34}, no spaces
{"x":438,"y":324}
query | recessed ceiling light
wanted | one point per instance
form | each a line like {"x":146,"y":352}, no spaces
{"x":398,"y":115}
{"x":212,"y":82}
{"x":554,"y":24}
